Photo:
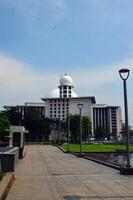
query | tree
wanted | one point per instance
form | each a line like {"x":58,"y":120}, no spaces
{"x":4,"y":125}
{"x":100,"y":133}
{"x":75,"y":127}
{"x":14,"y":117}
{"x":39,"y":127}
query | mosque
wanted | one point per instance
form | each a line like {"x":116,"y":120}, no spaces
{"x":64,"y":100}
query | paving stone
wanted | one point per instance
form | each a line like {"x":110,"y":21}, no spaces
{"x":46,"y":173}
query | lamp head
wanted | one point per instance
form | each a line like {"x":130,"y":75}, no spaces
{"x":80,"y":105}
{"x":124,"y":73}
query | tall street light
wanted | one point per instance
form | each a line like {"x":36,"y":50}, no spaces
{"x":68,"y":132}
{"x":80,"y":106}
{"x":124,"y":74}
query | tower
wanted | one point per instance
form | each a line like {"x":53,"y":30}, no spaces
{"x":66,"y":86}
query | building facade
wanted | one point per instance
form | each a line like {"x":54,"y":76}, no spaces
{"x":107,"y":117}
{"x":64,"y":100}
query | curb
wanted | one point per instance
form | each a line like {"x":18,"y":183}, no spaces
{"x":93,"y":159}
{"x":6,"y":184}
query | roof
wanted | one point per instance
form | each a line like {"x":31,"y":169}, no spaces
{"x":86,"y":97}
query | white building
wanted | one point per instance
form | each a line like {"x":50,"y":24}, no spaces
{"x":64,"y":100}
{"x":107,"y":117}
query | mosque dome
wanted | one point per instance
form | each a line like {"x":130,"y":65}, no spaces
{"x":74,"y":94}
{"x":66,"y":80}
{"x":54,"y":93}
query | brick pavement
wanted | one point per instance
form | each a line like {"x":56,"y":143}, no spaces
{"x":46,"y":173}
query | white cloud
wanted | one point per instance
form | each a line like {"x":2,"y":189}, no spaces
{"x":19,"y":82}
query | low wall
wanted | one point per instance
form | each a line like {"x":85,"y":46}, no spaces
{"x":8,"y":159}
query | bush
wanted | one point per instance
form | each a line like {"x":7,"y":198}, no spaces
{"x":1,"y":175}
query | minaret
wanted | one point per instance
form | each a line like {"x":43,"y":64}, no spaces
{"x":66,"y":86}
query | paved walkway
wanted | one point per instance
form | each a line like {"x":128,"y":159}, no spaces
{"x":48,"y":174}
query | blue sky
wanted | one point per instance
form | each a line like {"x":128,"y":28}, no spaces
{"x":88,"y":39}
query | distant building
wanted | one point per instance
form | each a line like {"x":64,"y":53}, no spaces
{"x":107,"y":117}
{"x":64,"y":100}
{"x":28,"y":107}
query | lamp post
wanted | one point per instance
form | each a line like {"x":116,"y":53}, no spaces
{"x":68,"y":132}
{"x":124,"y":74}
{"x":80,"y":106}
{"x":59,"y":131}
{"x":54,"y":131}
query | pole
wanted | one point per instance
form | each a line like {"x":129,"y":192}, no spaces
{"x":126,"y":123}
{"x":68,"y":134}
{"x":59,"y":132}
{"x":80,"y":131}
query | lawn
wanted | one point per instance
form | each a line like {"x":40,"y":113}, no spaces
{"x":96,"y":147}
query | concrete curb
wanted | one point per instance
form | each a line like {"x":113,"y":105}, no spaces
{"x":6,"y":184}
{"x":93,"y":159}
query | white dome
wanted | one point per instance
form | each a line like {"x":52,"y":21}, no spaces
{"x":66,"y":80}
{"x":54,"y":93}
{"x":74,"y":94}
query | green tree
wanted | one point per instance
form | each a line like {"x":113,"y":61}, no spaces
{"x":39,"y":127}
{"x":14,"y":117}
{"x":75,"y":127}
{"x":100,"y":133}
{"x":4,"y":125}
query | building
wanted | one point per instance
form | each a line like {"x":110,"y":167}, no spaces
{"x":107,"y":117}
{"x":64,"y":100}
{"x":28,"y":107}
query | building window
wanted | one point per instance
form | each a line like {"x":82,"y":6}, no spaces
{"x":65,"y":95}
{"x":50,"y":115}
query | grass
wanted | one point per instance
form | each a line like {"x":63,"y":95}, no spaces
{"x":1,"y":175}
{"x":96,"y":147}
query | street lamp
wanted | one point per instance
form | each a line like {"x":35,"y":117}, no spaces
{"x":80,"y":106}
{"x":68,"y":132}
{"x":124,"y":74}
{"x":54,"y":130}
{"x":59,"y":131}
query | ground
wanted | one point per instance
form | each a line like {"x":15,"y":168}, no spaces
{"x":46,"y":173}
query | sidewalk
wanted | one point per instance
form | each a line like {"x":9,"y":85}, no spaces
{"x":46,"y":173}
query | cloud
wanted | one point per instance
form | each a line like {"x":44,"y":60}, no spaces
{"x":20,"y":82}
{"x":101,"y":75}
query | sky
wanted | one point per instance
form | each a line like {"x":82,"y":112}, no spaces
{"x":90,"y":40}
